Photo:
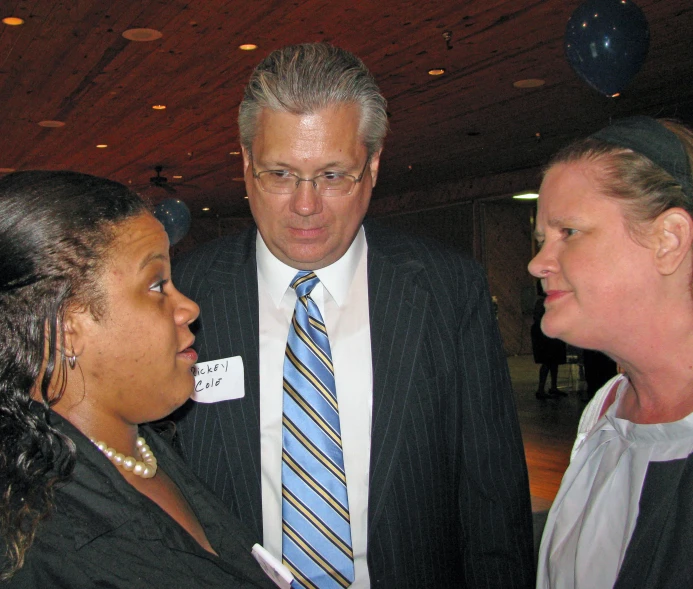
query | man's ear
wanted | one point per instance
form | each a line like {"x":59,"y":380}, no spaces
{"x":246,"y":159}
{"x":375,"y":166}
{"x":673,"y":239}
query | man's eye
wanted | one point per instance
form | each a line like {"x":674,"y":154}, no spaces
{"x":280,"y":174}
{"x":568,"y":232}
{"x":333,"y":177}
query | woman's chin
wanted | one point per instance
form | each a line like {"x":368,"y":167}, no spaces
{"x":181,"y":395}
{"x":550,"y":328}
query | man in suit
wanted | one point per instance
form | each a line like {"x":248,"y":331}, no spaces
{"x":432,"y":453}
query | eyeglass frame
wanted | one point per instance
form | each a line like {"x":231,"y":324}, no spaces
{"x":256,"y":175}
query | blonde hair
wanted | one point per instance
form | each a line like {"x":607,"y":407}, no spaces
{"x":645,"y":189}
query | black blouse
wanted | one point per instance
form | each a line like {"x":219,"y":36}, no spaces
{"x":104,"y":533}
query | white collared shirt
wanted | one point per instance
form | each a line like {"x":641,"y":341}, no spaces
{"x":342,"y":297}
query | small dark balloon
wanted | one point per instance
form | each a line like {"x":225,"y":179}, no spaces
{"x":174,"y":215}
{"x":606,"y":43}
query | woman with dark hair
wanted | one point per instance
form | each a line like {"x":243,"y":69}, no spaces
{"x":615,"y":224}
{"x":94,"y":341}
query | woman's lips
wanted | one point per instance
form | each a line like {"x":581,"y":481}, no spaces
{"x":554,"y":295}
{"x":189,"y":354}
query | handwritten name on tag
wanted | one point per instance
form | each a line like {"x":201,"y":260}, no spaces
{"x":218,"y":380}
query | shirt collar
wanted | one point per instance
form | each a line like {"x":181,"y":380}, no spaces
{"x":336,"y":278}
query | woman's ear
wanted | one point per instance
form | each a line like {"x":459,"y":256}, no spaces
{"x":673,"y":239}
{"x":74,"y":328}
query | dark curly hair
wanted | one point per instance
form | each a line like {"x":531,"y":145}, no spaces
{"x":55,"y":231}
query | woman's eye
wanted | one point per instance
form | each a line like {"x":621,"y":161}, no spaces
{"x":158,"y":286}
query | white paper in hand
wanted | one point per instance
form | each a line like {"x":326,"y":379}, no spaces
{"x":274,"y":569}
{"x":218,"y":380}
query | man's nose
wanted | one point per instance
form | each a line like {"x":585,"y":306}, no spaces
{"x":306,"y":200}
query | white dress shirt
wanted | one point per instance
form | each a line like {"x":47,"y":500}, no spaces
{"x":342,"y":297}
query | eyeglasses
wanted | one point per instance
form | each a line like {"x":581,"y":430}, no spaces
{"x":327,"y":184}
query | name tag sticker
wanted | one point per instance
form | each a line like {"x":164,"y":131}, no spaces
{"x":273,"y":568}
{"x":218,"y":380}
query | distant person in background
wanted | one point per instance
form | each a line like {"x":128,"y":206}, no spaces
{"x":598,"y":369}
{"x":615,"y":225}
{"x":549,"y":352}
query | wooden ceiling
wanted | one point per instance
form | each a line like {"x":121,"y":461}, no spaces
{"x":69,"y":62}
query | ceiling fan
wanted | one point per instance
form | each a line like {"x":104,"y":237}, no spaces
{"x":159,"y":181}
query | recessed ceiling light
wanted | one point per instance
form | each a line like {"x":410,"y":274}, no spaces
{"x":102,"y":146}
{"x":436,"y":71}
{"x":246,"y":197}
{"x":248,"y":47}
{"x":159,"y":107}
{"x":205,"y":208}
{"x":529,"y":83}
{"x":526,"y":196}
{"x":178,"y":177}
{"x":51,"y":124}
{"x":142,"y":35}
{"x":6,"y":170}
{"x":234,"y":153}
{"x":13,"y":21}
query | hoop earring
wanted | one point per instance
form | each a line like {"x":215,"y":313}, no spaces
{"x":72,"y":361}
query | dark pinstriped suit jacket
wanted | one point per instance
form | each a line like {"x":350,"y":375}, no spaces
{"x":448,"y":497}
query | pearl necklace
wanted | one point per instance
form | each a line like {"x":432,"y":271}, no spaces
{"x":146,"y":468}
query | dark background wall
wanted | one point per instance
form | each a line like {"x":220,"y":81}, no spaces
{"x":507,"y":227}
{"x":498,"y":234}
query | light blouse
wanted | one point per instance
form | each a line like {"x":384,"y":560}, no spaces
{"x":592,"y":519}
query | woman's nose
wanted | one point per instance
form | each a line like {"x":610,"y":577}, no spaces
{"x":187,"y":310}
{"x":543,"y":263}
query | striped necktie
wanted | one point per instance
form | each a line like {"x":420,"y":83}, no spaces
{"x":316,"y":534}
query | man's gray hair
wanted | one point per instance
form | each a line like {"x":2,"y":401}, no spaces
{"x":306,"y":78}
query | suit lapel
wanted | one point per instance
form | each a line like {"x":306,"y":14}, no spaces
{"x":397,"y":309}
{"x":235,"y":325}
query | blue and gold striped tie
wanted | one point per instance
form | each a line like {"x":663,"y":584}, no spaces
{"x":316,"y":539}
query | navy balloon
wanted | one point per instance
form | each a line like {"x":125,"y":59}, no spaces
{"x":174,"y":215}
{"x":606,"y":43}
